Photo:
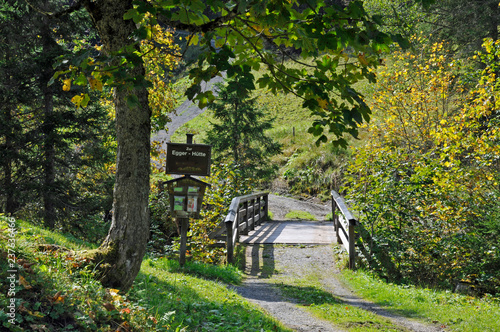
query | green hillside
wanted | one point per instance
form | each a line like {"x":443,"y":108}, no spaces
{"x":305,"y":168}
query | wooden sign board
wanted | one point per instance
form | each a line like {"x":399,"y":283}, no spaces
{"x":188,"y":159}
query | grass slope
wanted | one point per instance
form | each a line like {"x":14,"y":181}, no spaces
{"x":453,"y":311}
{"x":49,"y":287}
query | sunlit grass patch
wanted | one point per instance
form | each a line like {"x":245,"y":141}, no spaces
{"x":225,"y":273}
{"x":455,"y":311}
{"x":301,"y":215}
{"x":37,"y":234}
{"x":307,"y":292}
{"x":326,"y":306}
{"x":58,"y":289}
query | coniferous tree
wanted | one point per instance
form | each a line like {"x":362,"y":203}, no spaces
{"x":240,"y":132}
{"x":44,"y":141}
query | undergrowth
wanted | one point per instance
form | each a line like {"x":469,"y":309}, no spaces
{"x":45,"y":285}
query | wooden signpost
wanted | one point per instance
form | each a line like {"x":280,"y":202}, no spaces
{"x":188,"y":159}
{"x":186,"y":193}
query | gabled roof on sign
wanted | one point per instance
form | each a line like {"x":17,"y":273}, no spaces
{"x":187,"y":177}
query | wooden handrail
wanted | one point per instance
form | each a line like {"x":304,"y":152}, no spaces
{"x":240,"y":220}
{"x":344,"y":225}
{"x":245,"y":212}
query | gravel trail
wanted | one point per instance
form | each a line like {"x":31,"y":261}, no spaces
{"x":184,"y":113}
{"x":281,"y":205}
{"x":267,"y":265}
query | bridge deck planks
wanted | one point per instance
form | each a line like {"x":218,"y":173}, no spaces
{"x":291,"y":232}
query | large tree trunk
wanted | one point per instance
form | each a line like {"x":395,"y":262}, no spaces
{"x":124,"y":247}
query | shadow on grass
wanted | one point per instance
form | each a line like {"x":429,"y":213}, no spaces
{"x":256,"y":259}
{"x":182,"y":301}
{"x":308,"y":295}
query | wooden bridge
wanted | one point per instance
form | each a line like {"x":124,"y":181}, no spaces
{"x":247,"y":222}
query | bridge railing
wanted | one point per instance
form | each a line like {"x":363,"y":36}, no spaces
{"x":245,"y":212}
{"x":344,"y":225}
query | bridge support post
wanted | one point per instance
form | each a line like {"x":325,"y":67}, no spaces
{"x":245,"y":208}
{"x":252,"y":226}
{"x":336,"y":223}
{"x":229,"y":243}
{"x":266,"y":207}
{"x":259,"y":208}
{"x":352,"y":242}
{"x":335,"y":219}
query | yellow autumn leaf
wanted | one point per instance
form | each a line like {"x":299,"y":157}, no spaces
{"x":322,"y":103}
{"x":114,"y":294}
{"x":24,"y":283}
{"x":95,"y":84}
{"x":194,"y":40}
{"x":77,"y":100}
{"x":67,"y":84}
{"x":113,"y":291}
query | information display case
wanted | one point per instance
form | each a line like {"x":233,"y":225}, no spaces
{"x":186,"y":196}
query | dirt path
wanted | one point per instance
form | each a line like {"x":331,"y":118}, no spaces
{"x":268,"y":265}
{"x":281,"y":205}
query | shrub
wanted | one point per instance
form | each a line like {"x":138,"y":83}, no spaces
{"x":426,"y":183}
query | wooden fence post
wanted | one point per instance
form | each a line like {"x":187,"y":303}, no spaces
{"x":334,"y":219}
{"x":252,"y":202}
{"x":346,"y":230}
{"x":245,"y":207}
{"x":266,"y":206}
{"x":337,"y":223}
{"x":259,"y":221}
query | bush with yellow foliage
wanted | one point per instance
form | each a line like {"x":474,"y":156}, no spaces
{"x":426,"y":183}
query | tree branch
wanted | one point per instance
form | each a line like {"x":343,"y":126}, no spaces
{"x":270,"y":66}
{"x":203,"y":28}
{"x":271,"y":41}
{"x":76,"y":6}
